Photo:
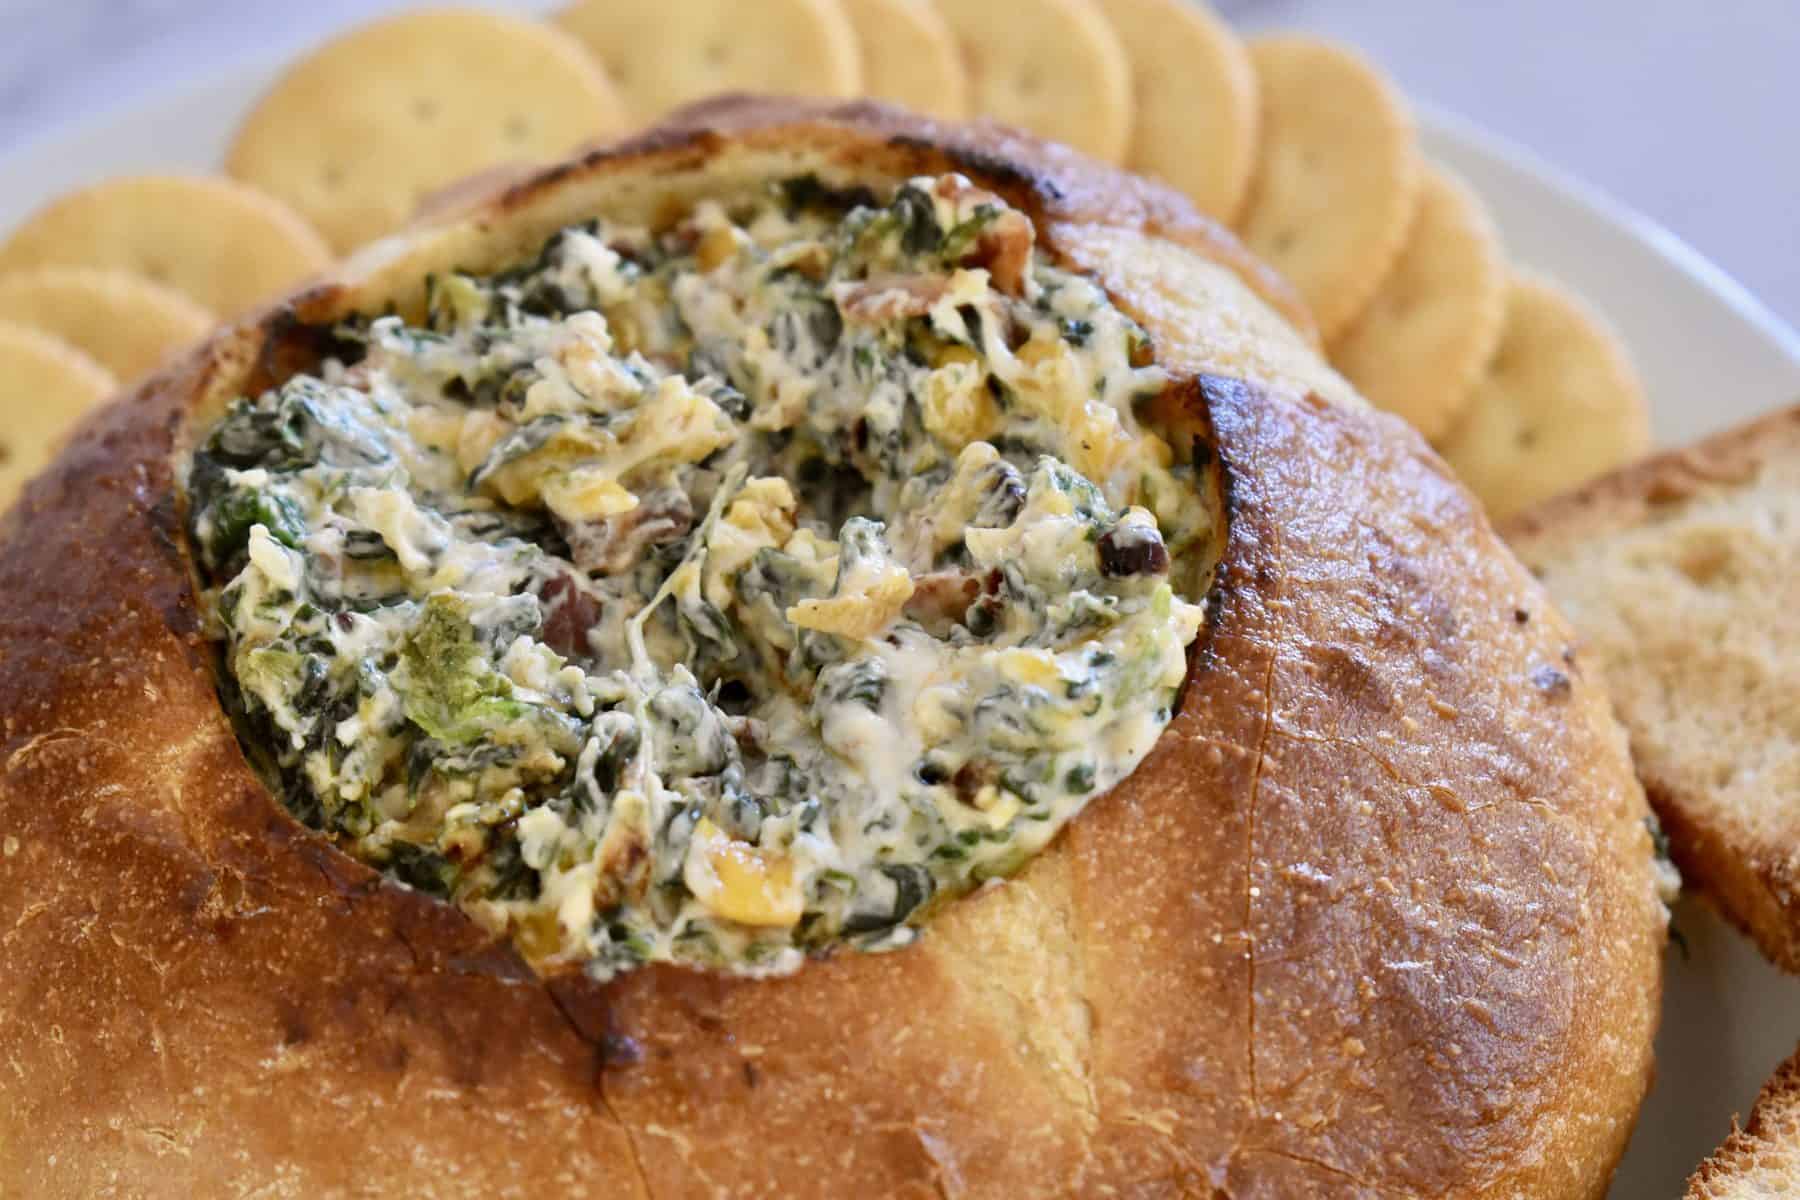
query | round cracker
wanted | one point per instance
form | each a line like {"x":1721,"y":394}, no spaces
{"x":1558,"y":404}
{"x":1195,"y":97}
{"x":663,"y":55}
{"x":1419,"y":346}
{"x":909,"y":57}
{"x":126,"y":324}
{"x":46,"y":385}
{"x":1053,"y":67}
{"x":223,"y":244}
{"x":1336,"y":176}
{"x":355,"y":134}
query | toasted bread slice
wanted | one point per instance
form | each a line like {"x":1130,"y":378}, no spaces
{"x":1682,"y":574}
{"x":1760,"y":1161}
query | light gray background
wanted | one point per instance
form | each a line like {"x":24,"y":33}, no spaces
{"x":1684,"y":109}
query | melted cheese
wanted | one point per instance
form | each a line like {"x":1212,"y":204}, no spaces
{"x":718,"y":594}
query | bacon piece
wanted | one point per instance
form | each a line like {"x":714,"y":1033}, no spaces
{"x":570,"y":610}
{"x":940,"y":598}
{"x":876,"y":301}
{"x":614,"y":544}
{"x":1004,"y":248}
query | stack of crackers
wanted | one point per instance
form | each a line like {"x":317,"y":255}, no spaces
{"x":1302,"y":147}
{"x":99,"y":286}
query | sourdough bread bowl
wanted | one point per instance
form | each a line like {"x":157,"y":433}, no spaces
{"x":1374,"y":916}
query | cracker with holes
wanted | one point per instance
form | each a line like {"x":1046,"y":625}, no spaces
{"x":1422,"y":342}
{"x":1195,"y":94}
{"x":1053,"y":67}
{"x":46,"y":385}
{"x":1336,"y":177}
{"x":355,"y":134}
{"x":909,"y":57}
{"x":126,"y":324}
{"x":224,"y":245}
{"x":662,"y":55}
{"x":1558,"y":404}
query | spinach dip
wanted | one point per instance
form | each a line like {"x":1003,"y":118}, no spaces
{"x":718,"y":594}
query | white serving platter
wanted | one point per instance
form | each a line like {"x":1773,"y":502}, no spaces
{"x":1710,"y":355}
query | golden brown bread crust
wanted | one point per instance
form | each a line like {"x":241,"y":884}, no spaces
{"x":1374,"y":918}
{"x":1761,"y":1160}
{"x":1679,"y":569}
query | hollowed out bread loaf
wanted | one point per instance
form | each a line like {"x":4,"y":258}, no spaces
{"x":1375,"y":917}
{"x":1682,"y":574}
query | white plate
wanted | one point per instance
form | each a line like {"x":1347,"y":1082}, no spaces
{"x":1711,"y":356}
{"x":1709,"y":353}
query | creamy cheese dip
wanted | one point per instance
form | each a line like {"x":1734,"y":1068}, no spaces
{"x":717,"y":594}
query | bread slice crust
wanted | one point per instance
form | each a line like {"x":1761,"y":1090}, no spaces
{"x":1680,"y":572}
{"x":1760,"y":1160}
{"x":1375,"y":917}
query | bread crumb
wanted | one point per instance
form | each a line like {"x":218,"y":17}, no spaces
{"x":10,"y":846}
